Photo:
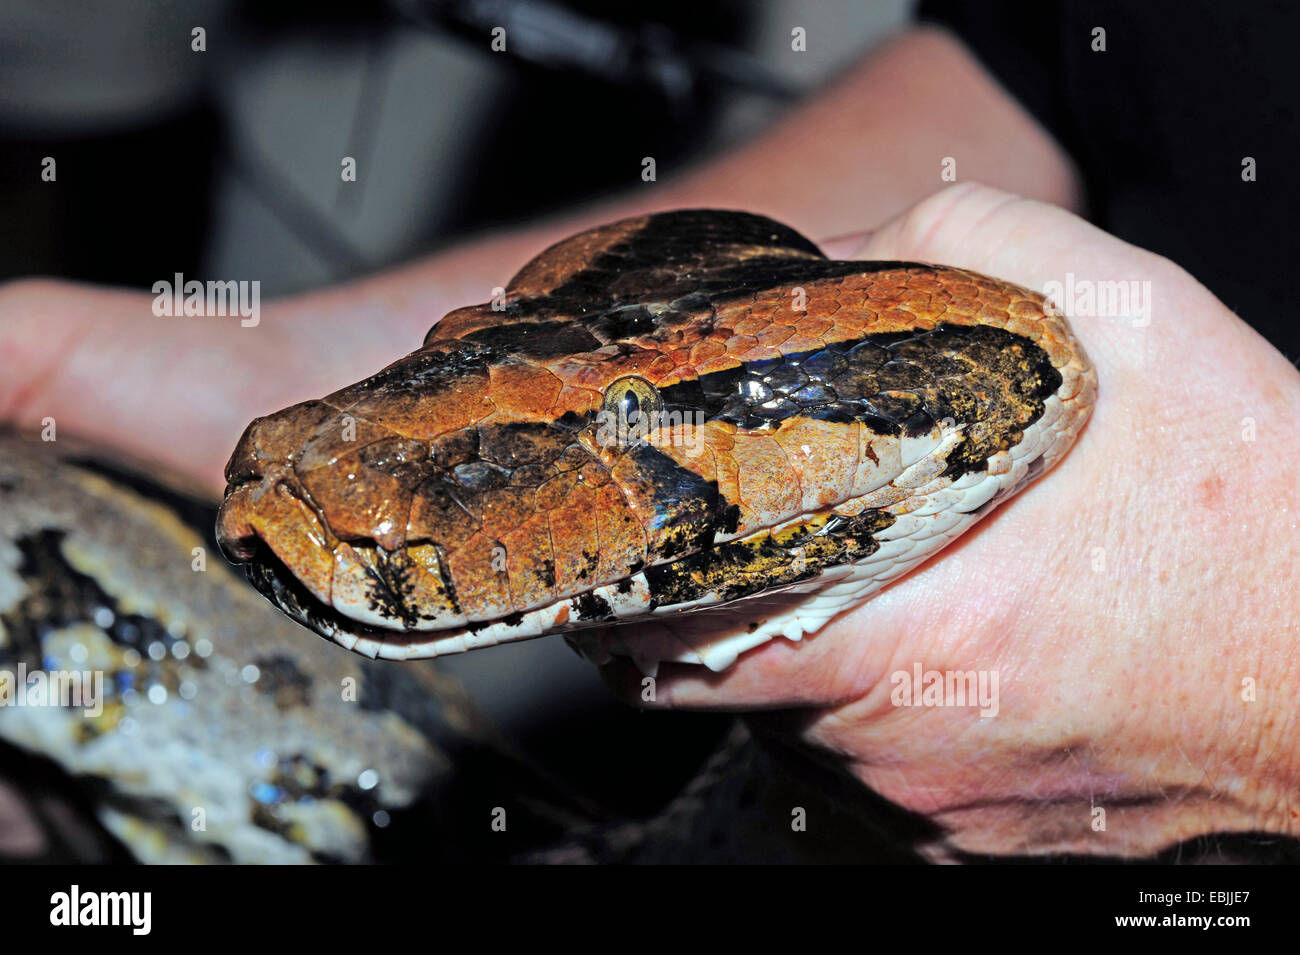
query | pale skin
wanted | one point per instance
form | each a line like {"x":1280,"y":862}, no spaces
{"x":1121,"y":682}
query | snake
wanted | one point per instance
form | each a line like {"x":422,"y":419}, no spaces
{"x":671,"y":438}
{"x":215,"y":735}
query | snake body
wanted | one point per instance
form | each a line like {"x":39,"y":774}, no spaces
{"x":692,"y":419}
{"x":214,"y":734}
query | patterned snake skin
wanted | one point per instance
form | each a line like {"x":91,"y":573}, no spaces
{"x":675,"y":414}
{"x":200,"y":727}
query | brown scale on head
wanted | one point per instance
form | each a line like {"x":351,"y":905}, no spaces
{"x":653,"y":394}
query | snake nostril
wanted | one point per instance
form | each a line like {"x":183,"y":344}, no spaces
{"x":236,"y":553}
{"x":234,"y":531}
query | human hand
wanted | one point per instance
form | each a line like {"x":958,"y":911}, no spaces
{"x":1136,"y":606}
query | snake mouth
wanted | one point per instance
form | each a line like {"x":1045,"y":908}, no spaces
{"x":290,"y":558}
{"x":391,"y":604}
{"x":268,"y":574}
{"x":683,"y":638}
{"x":357,"y":593}
{"x":278,"y":584}
{"x":284,"y":588}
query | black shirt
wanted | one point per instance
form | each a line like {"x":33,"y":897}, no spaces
{"x":1160,"y":124}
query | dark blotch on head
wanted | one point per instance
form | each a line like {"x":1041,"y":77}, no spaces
{"x":594,"y":607}
{"x":537,"y":340}
{"x":627,"y":322}
{"x":517,"y":444}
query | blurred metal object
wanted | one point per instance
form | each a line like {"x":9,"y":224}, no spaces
{"x":647,"y":56}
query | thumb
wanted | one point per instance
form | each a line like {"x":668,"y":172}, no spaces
{"x":845,"y":246}
{"x":976,"y":227}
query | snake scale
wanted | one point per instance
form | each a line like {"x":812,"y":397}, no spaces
{"x":682,"y":414}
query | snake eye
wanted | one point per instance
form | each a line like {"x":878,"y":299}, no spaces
{"x":632,"y":406}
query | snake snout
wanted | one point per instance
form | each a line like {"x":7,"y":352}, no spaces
{"x":261,"y":486}
{"x":321,"y":520}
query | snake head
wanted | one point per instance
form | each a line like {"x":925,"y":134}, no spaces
{"x":677,"y":414}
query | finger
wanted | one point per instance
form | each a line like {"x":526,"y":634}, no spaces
{"x":977,"y":227}
{"x":1049,"y":250}
{"x":845,"y":246}
{"x":967,"y":225}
